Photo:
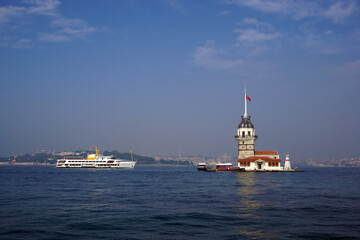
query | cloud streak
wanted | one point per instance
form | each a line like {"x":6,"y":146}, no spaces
{"x":340,"y":11}
{"x":62,"y":29}
{"x":256,"y":36}
{"x":9,"y":12}
{"x":45,"y":7}
{"x":337,"y":12}
{"x":210,"y":56}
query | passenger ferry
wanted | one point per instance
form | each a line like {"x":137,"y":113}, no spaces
{"x":95,"y":161}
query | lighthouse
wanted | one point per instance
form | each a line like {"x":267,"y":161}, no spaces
{"x":248,"y":158}
{"x":287,"y":163}
{"x":246,"y":134}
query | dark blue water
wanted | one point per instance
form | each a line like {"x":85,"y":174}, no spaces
{"x":42,"y":202}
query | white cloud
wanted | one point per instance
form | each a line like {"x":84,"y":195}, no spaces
{"x":46,"y":7}
{"x":257,"y":38}
{"x":175,"y":4}
{"x":7,"y":12}
{"x":340,"y":11}
{"x":225,"y":12}
{"x":209,"y":56}
{"x":265,"y":6}
{"x":73,"y":27}
{"x":17,"y":17}
{"x":329,"y":32}
{"x":258,"y":24}
{"x":300,"y":9}
{"x":318,"y":42}
{"x":254,"y":35}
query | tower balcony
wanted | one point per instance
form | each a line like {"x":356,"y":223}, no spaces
{"x":247,"y":137}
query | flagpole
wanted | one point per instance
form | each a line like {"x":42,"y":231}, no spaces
{"x":245,"y":115}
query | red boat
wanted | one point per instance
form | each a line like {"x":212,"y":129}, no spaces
{"x":220,"y":167}
{"x":227,"y":167}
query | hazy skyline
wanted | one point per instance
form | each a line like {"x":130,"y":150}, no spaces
{"x":167,"y":76}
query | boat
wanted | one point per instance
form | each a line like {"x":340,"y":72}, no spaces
{"x":95,"y":160}
{"x":220,"y":167}
{"x":227,"y":167}
{"x":202,"y":167}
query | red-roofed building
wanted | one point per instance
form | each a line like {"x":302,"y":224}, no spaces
{"x":266,"y":153}
{"x":260,"y":163}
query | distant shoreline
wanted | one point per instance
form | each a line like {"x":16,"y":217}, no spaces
{"x":26,"y":164}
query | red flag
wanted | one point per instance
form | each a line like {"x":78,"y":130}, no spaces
{"x":247,"y":97}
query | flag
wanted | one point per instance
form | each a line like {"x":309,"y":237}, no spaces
{"x":246,"y":96}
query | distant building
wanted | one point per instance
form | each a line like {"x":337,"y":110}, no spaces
{"x":66,"y":154}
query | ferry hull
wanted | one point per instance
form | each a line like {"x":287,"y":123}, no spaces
{"x":121,"y":165}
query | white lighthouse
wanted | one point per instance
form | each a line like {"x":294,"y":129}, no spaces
{"x":287,"y":163}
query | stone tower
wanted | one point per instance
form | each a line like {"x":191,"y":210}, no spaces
{"x":246,"y":135}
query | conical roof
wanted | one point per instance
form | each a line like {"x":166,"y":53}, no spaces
{"x":246,"y":122}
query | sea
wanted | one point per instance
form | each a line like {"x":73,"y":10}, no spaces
{"x":43,"y":202}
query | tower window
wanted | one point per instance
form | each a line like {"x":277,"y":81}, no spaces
{"x":249,"y":133}
{"x":243,"y":133}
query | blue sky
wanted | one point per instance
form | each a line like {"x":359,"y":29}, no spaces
{"x":167,"y":76}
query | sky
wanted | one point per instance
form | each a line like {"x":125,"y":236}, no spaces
{"x":167,"y":77}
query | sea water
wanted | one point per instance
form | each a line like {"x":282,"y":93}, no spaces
{"x":43,"y":202}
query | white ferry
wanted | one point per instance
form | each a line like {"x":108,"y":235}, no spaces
{"x":95,"y":161}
